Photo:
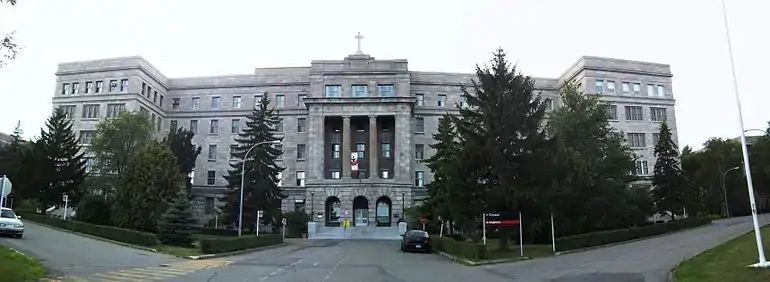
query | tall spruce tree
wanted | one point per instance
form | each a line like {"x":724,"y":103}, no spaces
{"x":261,"y":191}
{"x":446,"y":147}
{"x":180,"y":142}
{"x":10,"y":155}
{"x":504,"y":133}
{"x":67,"y":165}
{"x":668,"y":180}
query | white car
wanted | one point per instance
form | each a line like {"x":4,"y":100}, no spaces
{"x":10,"y":223}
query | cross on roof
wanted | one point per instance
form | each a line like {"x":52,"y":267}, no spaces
{"x":359,"y":37}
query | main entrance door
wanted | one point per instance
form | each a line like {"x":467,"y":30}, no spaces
{"x":384,"y":211}
{"x":360,"y":211}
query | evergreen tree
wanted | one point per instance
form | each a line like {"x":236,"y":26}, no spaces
{"x":32,"y":180}
{"x":10,"y":156}
{"x":180,"y":142}
{"x":504,"y":133}
{"x":440,"y":164}
{"x":175,"y":225}
{"x":261,"y":174}
{"x":668,"y":181}
{"x":65,"y":159}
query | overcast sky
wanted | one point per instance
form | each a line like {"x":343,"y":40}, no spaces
{"x":198,"y":38}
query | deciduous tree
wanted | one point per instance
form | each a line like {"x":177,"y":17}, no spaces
{"x":8,"y":47}
{"x":118,"y":139}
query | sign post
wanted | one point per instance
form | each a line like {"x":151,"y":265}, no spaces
{"x":484,"y":228}
{"x":441,"y":228}
{"x":503,"y":219}
{"x":423,"y":221}
{"x":5,"y":189}
{"x":521,"y":237}
{"x":259,"y":218}
{"x":66,"y":199}
{"x":283,"y":228}
{"x":553,"y":234}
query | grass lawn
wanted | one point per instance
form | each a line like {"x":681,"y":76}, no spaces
{"x":727,"y":262}
{"x":15,"y":267}
{"x":195,"y":250}
{"x":530,"y":251}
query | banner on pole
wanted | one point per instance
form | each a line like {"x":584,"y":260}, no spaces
{"x":354,"y":161}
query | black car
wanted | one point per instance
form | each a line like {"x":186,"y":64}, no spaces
{"x":415,"y":240}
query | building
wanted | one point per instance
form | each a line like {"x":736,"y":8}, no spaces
{"x":378,"y":109}
{"x":5,"y":139}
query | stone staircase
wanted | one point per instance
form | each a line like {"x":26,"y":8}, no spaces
{"x":316,"y":232}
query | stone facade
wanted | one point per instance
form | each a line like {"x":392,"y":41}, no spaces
{"x":334,"y":108}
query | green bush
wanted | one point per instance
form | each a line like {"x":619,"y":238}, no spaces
{"x":93,"y":209}
{"x":224,"y":245}
{"x":468,"y":250}
{"x":220,"y":232}
{"x":620,"y":235}
{"x":108,"y":232}
{"x":296,"y":223}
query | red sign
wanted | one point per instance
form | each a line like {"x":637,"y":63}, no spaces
{"x":423,"y":220}
{"x":510,"y":222}
{"x":501,"y":219}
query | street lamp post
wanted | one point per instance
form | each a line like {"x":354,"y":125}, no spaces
{"x":243,"y":178}
{"x":763,"y":263}
{"x":724,"y":189}
{"x":312,"y":206}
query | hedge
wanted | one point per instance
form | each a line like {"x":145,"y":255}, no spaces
{"x":108,"y":232}
{"x":469,"y":250}
{"x":219,"y":231}
{"x":619,"y":235}
{"x":229,"y":244}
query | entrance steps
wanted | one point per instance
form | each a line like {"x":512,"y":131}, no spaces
{"x":355,"y":232}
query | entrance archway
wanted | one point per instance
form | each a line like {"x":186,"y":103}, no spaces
{"x":333,"y":211}
{"x":384,"y":211}
{"x":360,"y":211}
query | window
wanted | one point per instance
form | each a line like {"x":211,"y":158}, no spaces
{"x":419,"y":125}
{"x":174,"y":103}
{"x":610,"y":87}
{"x":69,"y":110}
{"x":86,"y":136}
{"x":462,"y":101}
{"x":335,"y":174}
{"x":301,"y":100}
{"x":113,"y":85}
{"x":216,"y":102}
{"x":333,"y":91}
{"x":90,"y":111}
{"x":280,"y":101}
{"x":626,"y":87}
{"x":75,"y":88}
{"x":548,"y":104}
{"x":90,"y":164}
{"x":173,"y":124}
{"x":301,"y":125}
{"x":657,"y":114}
{"x":650,"y":90}
{"x":124,"y":85}
{"x":386,"y":90}
{"x":155,"y":96}
{"x":385,"y":173}
{"x":211,"y":177}
{"x":419,"y":151}
{"x":655,"y":139}
{"x":194,"y":126}
{"x":235,"y":126}
{"x":65,"y":89}
{"x":279,"y":125}
{"x":360,"y":90}
{"x":634,"y":113}
{"x":637,"y":88}
{"x":237,"y":102}
{"x":149,"y":91}
{"x":99,"y":86}
{"x":161,"y":100}
{"x":641,"y":168}
{"x":441,"y":100}
{"x":420,"y":99}
{"x":144,"y":85}
{"x":419,"y":178}
{"x":301,"y":151}
{"x":613,"y":111}
{"x":89,"y":87}
{"x":214,"y":126}
{"x":661,"y":91}
{"x":233,"y":151}
{"x":196,"y":103}
{"x":636,"y":140}
{"x":279,"y":179}
{"x":279,"y":148}
{"x":208,"y":205}
{"x":361,"y":150}
{"x":212,"y":152}
{"x":300,"y":179}
{"x":257,"y":100}
{"x":159,"y":124}
{"x":113,"y":110}
{"x":335,"y":151}
{"x":599,"y":86}
{"x":386,"y":150}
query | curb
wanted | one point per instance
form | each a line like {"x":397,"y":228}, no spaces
{"x":671,"y":277}
{"x":479,"y":263}
{"x":148,"y":249}
{"x":626,"y":242}
{"x":219,"y":255}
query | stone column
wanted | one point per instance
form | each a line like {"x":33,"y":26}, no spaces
{"x":373,"y":146}
{"x":316,"y":146}
{"x":345,"y":147}
{"x":402,"y":168}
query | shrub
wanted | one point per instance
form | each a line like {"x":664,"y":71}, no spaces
{"x":620,"y":235}
{"x":224,"y":245}
{"x":296,"y":223}
{"x":175,"y":225}
{"x":93,"y":209}
{"x":220,"y":231}
{"x":468,"y":250}
{"x":108,"y":232}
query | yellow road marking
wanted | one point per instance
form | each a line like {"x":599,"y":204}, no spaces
{"x":146,"y":274}
{"x":113,"y":278}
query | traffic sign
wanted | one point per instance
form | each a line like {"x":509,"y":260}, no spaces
{"x":65,"y":198}
{"x":259,"y":214}
{"x":283,"y":221}
{"x":423,"y":220}
{"x":7,"y":187}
